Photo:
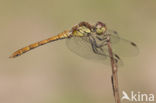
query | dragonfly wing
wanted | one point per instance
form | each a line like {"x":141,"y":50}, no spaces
{"x":82,"y":47}
{"x":114,"y":36}
{"x":124,"y":47}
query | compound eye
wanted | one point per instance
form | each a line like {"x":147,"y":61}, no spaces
{"x":100,"y":28}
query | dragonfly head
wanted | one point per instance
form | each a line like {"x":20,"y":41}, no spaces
{"x":100,"y":28}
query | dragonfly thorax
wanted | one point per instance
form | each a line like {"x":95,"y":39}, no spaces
{"x":82,"y":31}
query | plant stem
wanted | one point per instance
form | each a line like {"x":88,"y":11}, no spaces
{"x":114,"y":76}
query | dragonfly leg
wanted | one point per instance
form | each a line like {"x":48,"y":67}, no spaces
{"x":103,"y":43}
{"x":95,"y":46}
{"x":101,"y":38}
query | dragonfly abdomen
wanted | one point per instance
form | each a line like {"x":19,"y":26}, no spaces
{"x":62,"y":35}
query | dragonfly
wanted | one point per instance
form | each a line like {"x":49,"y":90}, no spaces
{"x":89,"y":41}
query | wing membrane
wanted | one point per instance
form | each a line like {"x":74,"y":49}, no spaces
{"x":82,"y":47}
{"x":124,"y":47}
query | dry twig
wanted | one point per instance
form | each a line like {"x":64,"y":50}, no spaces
{"x":114,"y":76}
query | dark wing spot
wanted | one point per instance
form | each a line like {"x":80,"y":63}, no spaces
{"x":133,"y":44}
{"x":115,"y":32}
{"x":117,"y":56}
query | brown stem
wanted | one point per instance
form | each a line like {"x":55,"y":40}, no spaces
{"x":114,"y":76}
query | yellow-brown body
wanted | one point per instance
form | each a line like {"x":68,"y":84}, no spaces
{"x":62,"y":35}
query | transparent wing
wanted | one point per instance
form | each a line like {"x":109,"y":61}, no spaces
{"x":115,"y":36}
{"x":82,"y":47}
{"x":124,"y":47}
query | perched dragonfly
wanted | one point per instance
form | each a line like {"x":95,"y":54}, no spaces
{"x":89,"y":41}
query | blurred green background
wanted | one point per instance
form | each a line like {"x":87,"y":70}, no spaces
{"x":53,"y":74}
